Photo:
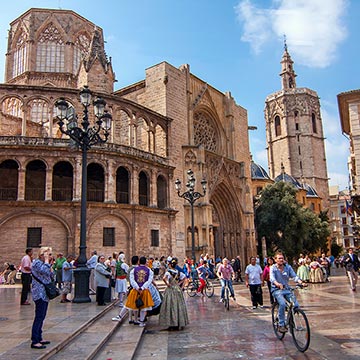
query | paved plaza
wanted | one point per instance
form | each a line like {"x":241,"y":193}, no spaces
{"x":213,"y":332}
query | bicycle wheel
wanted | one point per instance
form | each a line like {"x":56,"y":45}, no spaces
{"x":275,"y":321}
{"x":209,"y":289}
{"x":226,"y":299}
{"x":192,"y":289}
{"x":300,"y":330}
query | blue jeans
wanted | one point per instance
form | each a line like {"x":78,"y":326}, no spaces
{"x":40,"y":314}
{"x":280,"y":296}
{"x":229,"y":284}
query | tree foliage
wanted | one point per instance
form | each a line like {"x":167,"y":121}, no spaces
{"x":286,"y":224}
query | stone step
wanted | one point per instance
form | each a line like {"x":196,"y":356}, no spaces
{"x":122,"y":344}
{"x":87,"y":340}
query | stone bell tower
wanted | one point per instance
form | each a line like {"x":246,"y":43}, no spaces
{"x":294,"y":132}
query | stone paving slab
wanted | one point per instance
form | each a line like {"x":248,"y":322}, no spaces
{"x":244,"y":333}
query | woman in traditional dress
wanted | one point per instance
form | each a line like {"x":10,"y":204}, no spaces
{"x":316,"y":274}
{"x":140,"y":279}
{"x":303,"y":270}
{"x":173,"y":313}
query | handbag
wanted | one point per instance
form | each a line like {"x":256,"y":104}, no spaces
{"x":139,"y":303}
{"x":51,"y":290}
{"x":112,"y":282}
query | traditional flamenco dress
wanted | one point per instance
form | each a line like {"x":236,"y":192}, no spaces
{"x":173,"y":313}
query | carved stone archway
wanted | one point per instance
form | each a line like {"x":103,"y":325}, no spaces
{"x":228,"y":222}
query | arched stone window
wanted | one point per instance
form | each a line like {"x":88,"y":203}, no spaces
{"x":20,"y":55}
{"x":143,"y":189}
{"x":205,"y":133}
{"x":50,"y":56}
{"x":39,"y":111}
{"x":313,"y":122}
{"x":35,"y":180}
{"x":9,"y":180}
{"x":62,"y":183}
{"x":160,"y":141}
{"x":95,"y":183}
{"x":161,"y":186}
{"x":142,"y":135}
{"x":12,"y":106}
{"x":277,"y":126}
{"x":122,"y":185}
{"x":81,"y":49}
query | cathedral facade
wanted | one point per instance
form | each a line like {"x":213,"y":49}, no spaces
{"x":162,"y":126}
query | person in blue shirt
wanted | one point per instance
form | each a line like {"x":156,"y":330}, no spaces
{"x":280,"y":273}
{"x":67,"y":274}
{"x":42,"y":274}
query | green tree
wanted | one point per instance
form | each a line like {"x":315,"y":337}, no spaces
{"x":286,"y":224}
{"x":336,"y":249}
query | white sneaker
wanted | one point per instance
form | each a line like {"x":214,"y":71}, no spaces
{"x":142,"y":324}
{"x":221,"y":300}
{"x":117,"y":318}
{"x":121,"y":304}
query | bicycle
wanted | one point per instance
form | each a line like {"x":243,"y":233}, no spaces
{"x":194,"y":285}
{"x":226,"y":298}
{"x":296,"y":320}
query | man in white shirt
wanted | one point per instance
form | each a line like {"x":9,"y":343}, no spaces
{"x":254,"y":280}
{"x":91,"y":263}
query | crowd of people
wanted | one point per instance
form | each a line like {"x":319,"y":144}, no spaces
{"x":135,"y":287}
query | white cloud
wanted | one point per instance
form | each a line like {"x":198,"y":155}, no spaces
{"x":342,"y":180}
{"x":314,"y":29}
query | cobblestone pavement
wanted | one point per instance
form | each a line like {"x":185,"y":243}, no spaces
{"x":242,"y":333}
{"x":213,"y":332}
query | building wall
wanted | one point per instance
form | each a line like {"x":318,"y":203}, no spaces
{"x":157,"y":128}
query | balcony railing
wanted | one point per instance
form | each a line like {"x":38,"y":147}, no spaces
{"x":122,"y":197}
{"x":8,"y":194}
{"x":62,"y":194}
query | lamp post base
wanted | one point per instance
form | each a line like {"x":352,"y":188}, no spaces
{"x":81,"y":277}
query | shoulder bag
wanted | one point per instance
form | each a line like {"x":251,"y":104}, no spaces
{"x":51,"y":290}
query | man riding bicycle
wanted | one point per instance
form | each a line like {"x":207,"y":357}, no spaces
{"x":280,"y":273}
{"x":226,"y":273}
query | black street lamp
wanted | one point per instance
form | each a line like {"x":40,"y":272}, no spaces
{"x":84,"y":138}
{"x":191,"y":196}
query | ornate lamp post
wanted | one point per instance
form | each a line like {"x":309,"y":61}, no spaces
{"x":191,"y":196}
{"x":84,"y":136}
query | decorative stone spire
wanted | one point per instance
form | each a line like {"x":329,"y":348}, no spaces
{"x":287,"y":72}
{"x":97,"y":51}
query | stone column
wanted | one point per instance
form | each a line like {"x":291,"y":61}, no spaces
{"x":21,"y":184}
{"x":110,"y":183}
{"x":77,"y":179}
{"x":134,"y":193}
{"x":48,"y":184}
{"x":153,"y":189}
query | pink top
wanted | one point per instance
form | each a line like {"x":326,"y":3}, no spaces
{"x":266,"y":273}
{"x":25,"y":263}
{"x":226,"y":271}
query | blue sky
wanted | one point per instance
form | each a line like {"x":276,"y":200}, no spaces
{"x":234,"y":45}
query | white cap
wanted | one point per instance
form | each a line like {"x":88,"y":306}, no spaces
{"x":122,"y":257}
